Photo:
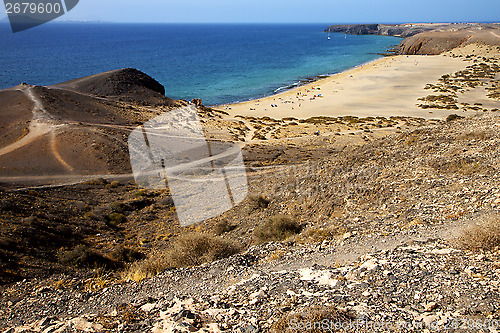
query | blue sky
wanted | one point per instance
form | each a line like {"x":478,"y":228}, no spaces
{"x":307,"y":11}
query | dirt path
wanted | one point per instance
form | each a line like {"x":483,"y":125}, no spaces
{"x":38,"y":126}
{"x":41,"y":124}
{"x":55,"y":151}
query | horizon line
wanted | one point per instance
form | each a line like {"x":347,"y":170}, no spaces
{"x":5,"y":19}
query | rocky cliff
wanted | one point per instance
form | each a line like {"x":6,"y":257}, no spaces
{"x":427,"y":38}
{"x":396,"y":30}
{"x":430,"y":43}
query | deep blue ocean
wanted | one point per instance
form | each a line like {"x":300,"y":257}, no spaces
{"x":218,"y":63}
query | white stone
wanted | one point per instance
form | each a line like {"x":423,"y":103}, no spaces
{"x":320,"y":277}
{"x":430,"y":306}
{"x":148,"y":307}
{"x":370,"y":265}
{"x":258,"y":294}
{"x":426,"y":319}
{"x":84,"y":325}
{"x":444,"y":251}
{"x":347,"y":235}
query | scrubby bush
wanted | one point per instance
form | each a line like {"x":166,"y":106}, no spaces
{"x":277,"y":228}
{"x":453,"y":117}
{"x":482,"y":234}
{"x":125,"y":254}
{"x":83,"y":256}
{"x":314,"y":318}
{"x":114,"y":184}
{"x":118,"y":207}
{"x":115,"y":219}
{"x":188,"y":250}
{"x":7,"y":243}
{"x":223,"y":226}
{"x":317,"y":235}
{"x":258,"y":201}
{"x":98,"y":181}
{"x":196,"y":249}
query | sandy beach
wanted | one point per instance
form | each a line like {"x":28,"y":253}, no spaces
{"x":385,"y":87}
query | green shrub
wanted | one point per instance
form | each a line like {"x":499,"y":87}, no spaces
{"x":118,"y":207}
{"x":140,"y":193}
{"x":83,"y":256}
{"x":115,"y":219}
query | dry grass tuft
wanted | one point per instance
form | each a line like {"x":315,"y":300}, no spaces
{"x":223,"y":226}
{"x":196,"y":249}
{"x":98,"y":281}
{"x":145,"y":269}
{"x":188,"y":250}
{"x":258,"y":201}
{"x":315,"y":320}
{"x":277,"y":228}
{"x":482,"y":234}
{"x":318,"y":235}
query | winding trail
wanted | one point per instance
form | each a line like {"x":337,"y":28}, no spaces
{"x":41,"y":124}
{"x":38,"y":126}
{"x":55,"y":151}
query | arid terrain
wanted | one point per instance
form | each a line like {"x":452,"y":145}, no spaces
{"x":373,"y":219}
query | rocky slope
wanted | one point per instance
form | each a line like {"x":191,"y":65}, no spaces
{"x":382,"y":247}
{"x":392,"y":232}
{"x":446,"y":39}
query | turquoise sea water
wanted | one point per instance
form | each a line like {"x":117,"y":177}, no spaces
{"x":218,"y":63}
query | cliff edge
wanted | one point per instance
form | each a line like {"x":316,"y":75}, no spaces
{"x":427,"y":38}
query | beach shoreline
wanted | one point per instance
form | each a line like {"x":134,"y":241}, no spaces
{"x":386,"y":87}
{"x":296,"y":85}
{"x":386,"y":79}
